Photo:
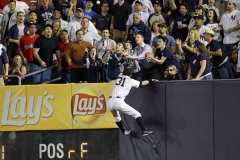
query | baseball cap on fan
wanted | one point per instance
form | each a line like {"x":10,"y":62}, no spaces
{"x":139,"y":2}
{"x":80,"y":9}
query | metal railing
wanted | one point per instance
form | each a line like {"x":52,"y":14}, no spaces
{"x":30,"y":74}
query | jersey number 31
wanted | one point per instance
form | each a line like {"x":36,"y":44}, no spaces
{"x":120,"y":81}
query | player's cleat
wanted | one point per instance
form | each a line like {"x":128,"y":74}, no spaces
{"x":127,"y":132}
{"x":147,"y":132}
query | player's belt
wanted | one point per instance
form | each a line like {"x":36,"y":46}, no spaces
{"x":116,"y":97}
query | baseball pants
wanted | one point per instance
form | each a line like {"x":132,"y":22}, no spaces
{"x":116,"y":105}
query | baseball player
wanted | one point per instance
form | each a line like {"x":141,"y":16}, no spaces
{"x":117,"y":104}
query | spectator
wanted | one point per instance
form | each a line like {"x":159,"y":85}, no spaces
{"x":230,"y":24}
{"x":94,"y":67}
{"x":74,"y":57}
{"x":163,"y":32}
{"x":186,"y":48}
{"x":130,"y":63}
{"x":103,"y":19}
{"x":70,"y":12}
{"x":32,"y":7}
{"x":211,"y":5}
{"x":102,"y":46}
{"x":171,"y":73}
{"x":64,"y":44}
{"x":44,"y":13}
{"x":61,"y":5}
{"x":191,"y":4}
{"x":44,"y":48}
{"x":138,"y":27}
{"x":164,"y":55}
{"x":25,"y":46}
{"x":8,"y":21}
{"x":17,"y":67}
{"x":158,"y":15}
{"x":179,"y":27}
{"x":57,"y":17}
{"x":98,"y":7}
{"x":88,"y":12}
{"x":121,"y":11}
{"x":200,"y":27}
{"x":155,"y":31}
{"x":212,"y":23}
{"x":234,"y":63}
{"x":198,"y":11}
{"x":76,"y":25}
{"x":147,"y":6}
{"x":33,"y":19}
{"x":115,"y":61}
{"x":3,"y":64}
{"x":221,"y":67}
{"x":89,"y":36}
{"x":56,"y":28}
{"x":20,"y":6}
{"x":14,"y":35}
{"x":199,"y":65}
{"x":138,"y":9}
{"x":148,"y":69}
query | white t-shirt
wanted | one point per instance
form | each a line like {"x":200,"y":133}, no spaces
{"x":20,"y":6}
{"x":230,"y":20}
{"x":123,"y":86}
{"x":217,"y":35}
{"x":200,"y":32}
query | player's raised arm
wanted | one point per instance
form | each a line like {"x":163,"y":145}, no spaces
{"x":146,"y":82}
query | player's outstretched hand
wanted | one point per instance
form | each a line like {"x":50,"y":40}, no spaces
{"x":155,"y":80}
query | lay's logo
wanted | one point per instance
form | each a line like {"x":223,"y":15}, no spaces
{"x":88,"y":106}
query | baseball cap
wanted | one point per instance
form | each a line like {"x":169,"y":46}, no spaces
{"x":183,"y":4}
{"x":127,"y":71}
{"x":158,"y":3}
{"x":199,"y":7}
{"x":139,"y":2}
{"x":208,"y":31}
{"x":232,"y":1}
{"x":162,"y":25}
{"x":32,"y":23}
{"x":80,"y":9}
{"x":164,"y":38}
{"x":198,"y":16}
{"x":33,"y":2}
{"x":48,"y":25}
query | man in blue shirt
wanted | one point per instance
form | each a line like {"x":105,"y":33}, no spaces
{"x":3,"y":62}
{"x":88,"y":12}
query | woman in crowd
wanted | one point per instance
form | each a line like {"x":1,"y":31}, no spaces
{"x":17,"y":67}
{"x":186,"y":48}
{"x":94,"y":66}
{"x":171,"y":73}
{"x":56,"y":28}
{"x":154,"y":30}
{"x":199,"y":64}
{"x":212,"y":22}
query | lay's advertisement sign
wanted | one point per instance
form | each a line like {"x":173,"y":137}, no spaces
{"x":55,"y":107}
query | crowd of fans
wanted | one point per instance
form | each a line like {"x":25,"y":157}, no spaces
{"x":93,"y":40}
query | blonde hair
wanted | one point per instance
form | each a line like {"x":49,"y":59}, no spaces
{"x":60,"y":27}
{"x":173,"y":66}
{"x":196,"y":36}
{"x":13,"y":63}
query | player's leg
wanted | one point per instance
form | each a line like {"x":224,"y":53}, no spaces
{"x":126,"y":109}
{"x":117,"y":117}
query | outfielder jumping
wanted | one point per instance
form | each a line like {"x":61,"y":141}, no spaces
{"x":117,"y":104}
